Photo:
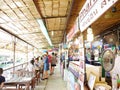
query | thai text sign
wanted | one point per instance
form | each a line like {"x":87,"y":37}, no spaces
{"x":92,"y":10}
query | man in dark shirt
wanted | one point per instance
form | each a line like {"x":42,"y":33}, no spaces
{"x":2,"y":79}
{"x":92,"y":58}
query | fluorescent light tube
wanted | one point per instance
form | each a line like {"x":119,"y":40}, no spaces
{"x":52,"y":33}
{"x":44,"y":30}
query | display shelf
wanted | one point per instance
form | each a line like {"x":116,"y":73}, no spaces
{"x":76,"y":74}
{"x":75,"y":68}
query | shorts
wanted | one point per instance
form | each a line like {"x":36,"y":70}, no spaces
{"x":53,"y":65}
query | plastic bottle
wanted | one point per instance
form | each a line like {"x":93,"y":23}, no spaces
{"x":114,"y":82}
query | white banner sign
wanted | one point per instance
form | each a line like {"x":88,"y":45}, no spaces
{"x":92,"y":10}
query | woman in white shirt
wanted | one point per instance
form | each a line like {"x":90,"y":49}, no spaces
{"x":30,"y":67}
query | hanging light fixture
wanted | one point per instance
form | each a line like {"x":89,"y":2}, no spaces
{"x":90,"y":36}
{"x":44,"y":31}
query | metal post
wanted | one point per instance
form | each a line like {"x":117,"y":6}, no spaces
{"x":14,"y":47}
{"x":85,"y":75}
{"x":27,"y":53}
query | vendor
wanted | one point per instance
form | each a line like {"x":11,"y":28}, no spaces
{"x":92,"y":58}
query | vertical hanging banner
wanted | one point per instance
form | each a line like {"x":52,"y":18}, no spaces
{"x":92,"y":10}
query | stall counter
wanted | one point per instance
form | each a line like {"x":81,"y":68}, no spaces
{"x":96,"y":70}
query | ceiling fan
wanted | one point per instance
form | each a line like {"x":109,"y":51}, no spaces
{"x":110,"y":39}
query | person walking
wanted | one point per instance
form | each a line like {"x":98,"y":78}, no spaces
{"x":49,"y":60}
{"x":46,"y":67}
{"x":53,"y":62}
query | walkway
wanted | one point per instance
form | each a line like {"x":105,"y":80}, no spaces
{"x":55,"y":82}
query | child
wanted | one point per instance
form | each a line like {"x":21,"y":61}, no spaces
{"x":2,"y":79}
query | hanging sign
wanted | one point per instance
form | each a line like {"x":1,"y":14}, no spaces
{"x":76,"y":26}
{"x":70,"y":34}
{"x":92,"y":10}
{"x":73,"y":31}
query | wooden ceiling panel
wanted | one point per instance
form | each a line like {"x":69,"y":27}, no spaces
{"x":2,"y":21}
{"x":4,"y":16}
{"x":57,"y":24}
{"x":11,"y":14}
{"x":62,"y":11}
{"x":18,"y":24}
{"x":3,"y":5}
{"x":48,"y":13}
{"x":48,"y":3}
{"x":50,"y":23}
{"x":64,"y":4}
{"x":35,"y":30}
{"x":19,"y":13}
{"x":25,"y":24}
{"x":13,"y":26}
{"x":33,"y":23}
{"x":55,"y":4}
{"x":41,"y":3}
{"x":19,"y":3}
{"x":43,"y":12}
{"x":10,"y":3}
{"x":34,"y":36}
{"x":55,"y":12}
{"x":34,"y":12}
{"x":56,"y":39}
{"x":62,"y":27}
{"x":56,"y":42}
{"x":9,"y":28}
{"x":48,"y":7}
{"x":63,"y":21}
{"x":40,"y":35}
{"x":27,"y":13}
{"x":29,"y":3}
{"x":55,"y":33}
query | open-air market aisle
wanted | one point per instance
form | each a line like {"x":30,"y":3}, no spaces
{"x":55,"y":81}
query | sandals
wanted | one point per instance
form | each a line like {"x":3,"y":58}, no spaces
{"x":44,"y":78}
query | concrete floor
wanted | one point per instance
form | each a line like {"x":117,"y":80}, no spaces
{"x":54,"y":82}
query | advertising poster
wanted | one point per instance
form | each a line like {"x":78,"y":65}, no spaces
{"x":81,"y":53}
{"x":71,"y":80}
{"x":82,"y":64}
{"x":81,"y":80}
